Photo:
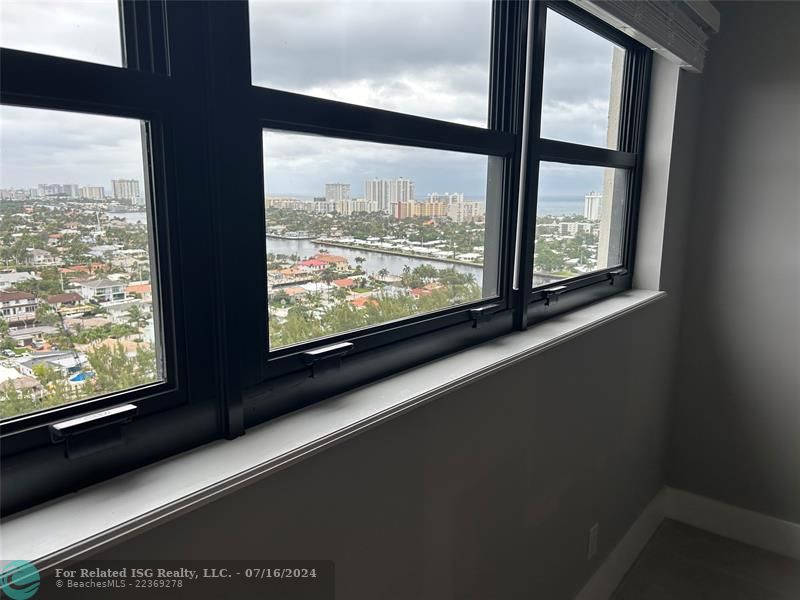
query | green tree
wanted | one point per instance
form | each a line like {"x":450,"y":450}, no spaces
{"x":114,"y":370}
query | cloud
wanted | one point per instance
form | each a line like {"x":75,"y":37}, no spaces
{"x":577,"y":83}
{"x":398,"y":51}
{"x":47,"y":146}
{"x":424,"y":58}
{"x":303,"y":164}
{"x":556,"y":179}
{"x":80,"y":29}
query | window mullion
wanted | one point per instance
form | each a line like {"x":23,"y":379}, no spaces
{"x":528,"y":197}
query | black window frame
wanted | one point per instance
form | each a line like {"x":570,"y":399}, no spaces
{"x":189,"y":77}
{"x":546,"y":301}
{"x":183,"y":410}
{"x":277,"y":381}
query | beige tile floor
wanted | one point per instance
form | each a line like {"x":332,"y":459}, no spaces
{"x":685,"y":563}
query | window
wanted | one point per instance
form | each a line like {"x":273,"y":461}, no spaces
{"x":105,"y":243}
{"x":585,"y":149}
{"x":81,"y":29}
{"x":579,"y":221}
{"x":361,"y":234}
{"x":275,"y":202}
{"x":76,"y":238}
{"x":582,"y":85}
{"x":423,"y":58}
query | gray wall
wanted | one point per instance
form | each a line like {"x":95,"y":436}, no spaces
{"x":737,"y":388}
{"x":485,"y":493}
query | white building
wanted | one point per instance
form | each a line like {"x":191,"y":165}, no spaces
{"x":401,"y":190}
{"x":286,"y":203}
{"x":574,"y":228}
{"x":102,"y":290}
{"x":387,"y":192}
{"x":464,"y":212}
{"x":348,"y":207}
{"x":321,"y":205}
{"x":17,"y":307}
{"x":41,"y":258}
{"x":335,"y":192}
{"x":9,"y":280}
{"x":56,"y":189}
{"x":378,"y":191}
{"x":93,"y":192}
{"x":446,"y":197}
{"x":126,"y":189}
{"x":593,"y":206}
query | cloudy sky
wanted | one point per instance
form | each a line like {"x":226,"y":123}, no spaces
{"x":424,"y":58}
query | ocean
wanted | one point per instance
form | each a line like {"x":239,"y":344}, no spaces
{"x":559,"y":205}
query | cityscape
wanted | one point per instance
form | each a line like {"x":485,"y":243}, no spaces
{"x":76,"y":298}
{"x":338,"y":263}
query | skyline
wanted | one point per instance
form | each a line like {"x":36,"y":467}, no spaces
{"x":442,"y":72}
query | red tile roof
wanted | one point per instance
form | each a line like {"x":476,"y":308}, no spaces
{"x":15,"y":295}
{"x":64,"y":298}
{"x":417,"y":292}
{"x":330,"y":258}
{"x":141,"y":288}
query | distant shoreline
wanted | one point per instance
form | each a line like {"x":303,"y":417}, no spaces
{"x":397,"y":253}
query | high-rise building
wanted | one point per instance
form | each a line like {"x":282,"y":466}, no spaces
{"x":56,"y":189}
{"x":401,"y":190}
{"x":593,"y":206}
{"x":406,"y":210}
{"x":334,"y":192}
{"x":387,"y":192}
{"x":378,"y":191}
{"x":355,"y":205}
{"x":322,"y":205}
{"x":125,"y":189}
{"x":445,"y":197}
{"x":92,"y":192}
{"x":465,"y":212}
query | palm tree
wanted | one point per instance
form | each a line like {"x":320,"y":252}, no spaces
{"x":327,"y":276}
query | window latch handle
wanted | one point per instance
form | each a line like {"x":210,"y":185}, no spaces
{"x":315,"y":358}
{"x":612,"y":275}
{"x":482,"y":314}
{"x":96,"y":431}
{"x":551,"y":294}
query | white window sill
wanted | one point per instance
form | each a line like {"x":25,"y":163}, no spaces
{"x":100,"y":515}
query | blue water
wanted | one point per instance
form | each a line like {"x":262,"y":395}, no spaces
{"x":559,"y":205}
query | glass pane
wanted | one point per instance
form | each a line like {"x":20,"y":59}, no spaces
{"x":80,"y":29}
{"x":422,"y":58}
{"x":360,"y":234}
{"x":580,"y":220}
{"x":78,"y":315}
{"x":582,"y":85}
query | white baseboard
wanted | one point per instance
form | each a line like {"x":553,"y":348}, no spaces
{"x":756,"y":529}
{"x":609,"y":575}
{"x":747,"y":526}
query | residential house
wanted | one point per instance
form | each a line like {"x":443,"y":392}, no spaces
{"x":16,"y":307}
{"x":140,"y":290}
{"x":31,"y":336}
{"x":41,"y":258}
{"x":102,"y":290}
{"x":9,"y":280}
{"x":65,"y":362}
{"x":66,"y":299}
